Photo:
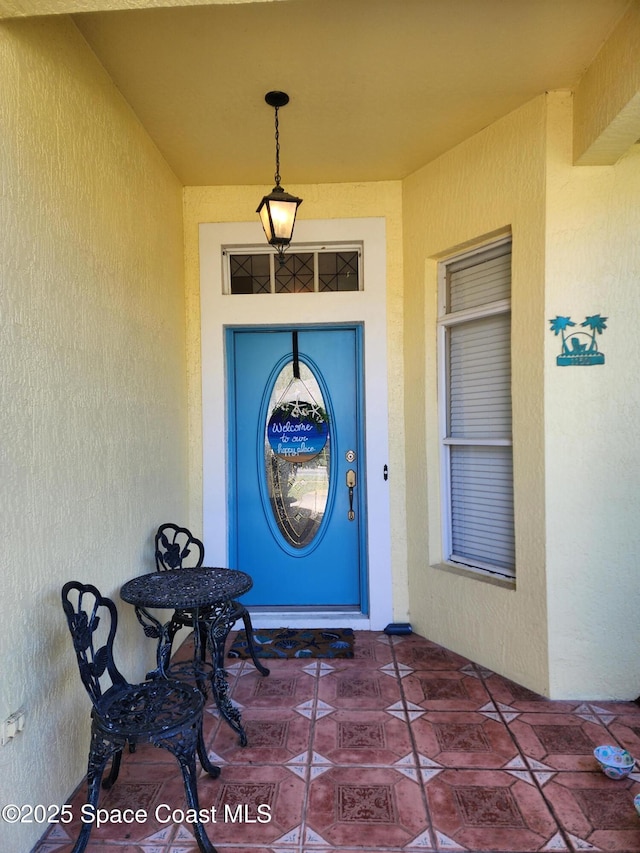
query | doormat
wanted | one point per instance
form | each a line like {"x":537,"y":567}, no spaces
{"x":296,"y":643}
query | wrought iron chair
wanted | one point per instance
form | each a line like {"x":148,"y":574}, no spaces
{"x":177,"y":548}
{"x":164,"y":712}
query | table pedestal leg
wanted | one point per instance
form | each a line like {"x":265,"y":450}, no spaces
{"x":218,"y":627}
{"x":210,"y":632}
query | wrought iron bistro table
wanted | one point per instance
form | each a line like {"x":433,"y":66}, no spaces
{"x":206,"y":596}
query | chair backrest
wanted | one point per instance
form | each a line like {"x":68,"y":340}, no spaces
{"x":177,"y":548}
{"x":92,"y":621}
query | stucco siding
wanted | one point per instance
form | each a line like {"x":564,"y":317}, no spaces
{"x":94,"y":439}
{"x":491,"y":184}
{"x":591,"y":418}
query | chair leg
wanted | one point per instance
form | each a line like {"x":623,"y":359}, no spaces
{"x":189,"y":775}
{"x":212,"y":769}
{"x":115,"y":768}
{"x":100,"y":752}
{"x":248,"y":629}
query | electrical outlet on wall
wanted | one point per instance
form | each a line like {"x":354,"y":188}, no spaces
{"x":12,"y":726}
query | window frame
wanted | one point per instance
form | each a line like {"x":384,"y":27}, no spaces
{"x":314,"y":249}
{"x":445,"y":321}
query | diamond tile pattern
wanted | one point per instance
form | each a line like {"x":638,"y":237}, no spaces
{"x":406,"y":747}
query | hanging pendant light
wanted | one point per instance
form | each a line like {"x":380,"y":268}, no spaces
{"x":278,"y":209}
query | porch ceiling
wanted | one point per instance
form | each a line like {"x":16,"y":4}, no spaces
{"x":378,"y":87}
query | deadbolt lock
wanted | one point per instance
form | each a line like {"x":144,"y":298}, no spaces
{"x":350,"y":456}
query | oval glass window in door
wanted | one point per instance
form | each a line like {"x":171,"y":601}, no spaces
{"x":297,"y":451}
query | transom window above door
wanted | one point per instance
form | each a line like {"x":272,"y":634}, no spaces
{"x":307,"y":270}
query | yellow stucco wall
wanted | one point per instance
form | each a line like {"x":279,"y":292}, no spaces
{"x":606,"y":111}
{"x":493,"y":182}
{"x":27,"y":8}
{"x":569,"y":628}
{"x":327,"y":201}
{"x":94,"y":450}
{"x":591,"y":422}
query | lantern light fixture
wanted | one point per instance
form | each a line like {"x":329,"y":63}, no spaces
{"x":278,"y":210}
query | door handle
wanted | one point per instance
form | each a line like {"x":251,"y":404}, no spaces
{"x":351,"y":484}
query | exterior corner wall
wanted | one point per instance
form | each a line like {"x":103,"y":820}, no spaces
{"x":493,"y":182}
{"x":591,"y":418}
{"x":606,"y":103}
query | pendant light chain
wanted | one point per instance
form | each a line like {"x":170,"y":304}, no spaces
{"x":277,"y":175}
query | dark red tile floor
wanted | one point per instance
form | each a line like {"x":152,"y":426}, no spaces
{"x":406,"y":747}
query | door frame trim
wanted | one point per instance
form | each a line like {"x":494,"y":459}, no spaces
{"x":367,"y":308}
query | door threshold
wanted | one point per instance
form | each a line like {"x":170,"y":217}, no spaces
{"x":310,"y":619}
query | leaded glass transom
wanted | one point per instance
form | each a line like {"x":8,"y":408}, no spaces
{"x":338,"y":271}
{"x":296,"y":274}
{"x":250,"y":273}
{"x":313,"y":271}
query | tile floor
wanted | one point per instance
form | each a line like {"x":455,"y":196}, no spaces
{"x":406,"y":747}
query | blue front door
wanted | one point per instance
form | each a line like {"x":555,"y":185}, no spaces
{"x":296,"y":466}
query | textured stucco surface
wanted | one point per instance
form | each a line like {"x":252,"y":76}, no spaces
{"x":93,"y":428}
{"x":327,"y":201}
{"x":492,"y":182}
{"x":606,"y":119}
{"x":591,"y":423}
{"x":28,"y":8}
{"x":568,"y":629}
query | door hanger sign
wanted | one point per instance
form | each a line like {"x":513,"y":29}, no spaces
{"x":297,"y":431}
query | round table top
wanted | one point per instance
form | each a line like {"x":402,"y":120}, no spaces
{"x":186,"y":588}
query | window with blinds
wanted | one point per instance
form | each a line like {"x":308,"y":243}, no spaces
{"x":475,"y":409}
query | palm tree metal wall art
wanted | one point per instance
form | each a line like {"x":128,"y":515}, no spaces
{"x":579,"y":348}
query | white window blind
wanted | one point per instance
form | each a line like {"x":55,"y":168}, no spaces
{"x":480,"y":378}
{"x":475,"y":369}
{"x":482,"y":507}
{"x":486,"y":279}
